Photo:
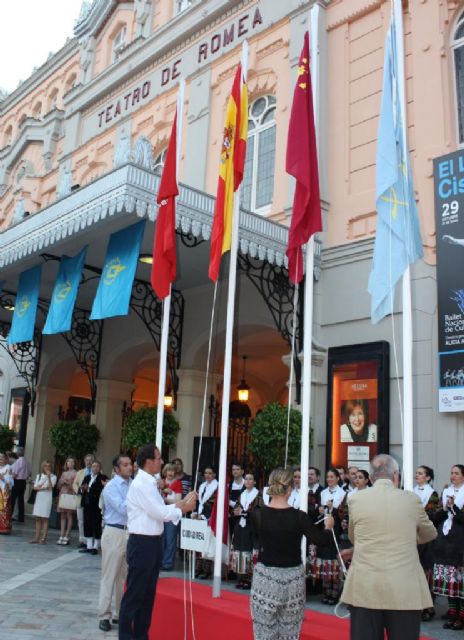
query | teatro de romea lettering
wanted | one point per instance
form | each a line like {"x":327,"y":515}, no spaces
{"x":82,"y":145}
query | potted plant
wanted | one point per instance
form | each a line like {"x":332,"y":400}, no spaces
{"x":74,"y":438}
{"x":7,"y":437}
{"x":268,"y":434}
{"x":140,"y":428}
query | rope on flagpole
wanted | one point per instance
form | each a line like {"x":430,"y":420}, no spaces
{"x":292,"y":369}
{"x":205,"y":393}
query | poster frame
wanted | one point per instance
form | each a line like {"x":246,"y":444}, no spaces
{"x":353,"y":354}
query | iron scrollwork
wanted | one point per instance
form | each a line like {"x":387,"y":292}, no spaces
{"x":278,"y":293}
{"x":150,"y":310}
{"x":84,"y":339}
{"x":25,"y":356}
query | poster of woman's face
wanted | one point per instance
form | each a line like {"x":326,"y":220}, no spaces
{"x":357,"y":426}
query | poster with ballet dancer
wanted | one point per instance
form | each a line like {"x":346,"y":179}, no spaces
{"x":449,"y":217}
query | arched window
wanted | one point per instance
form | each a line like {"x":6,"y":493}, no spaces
{"x":70,"y":82}
{"x":22,"y":120}
{"x":258,"y":181}
{"x":158,"y":162}
{"x":119,"y":43}
{"x":458,"y":46}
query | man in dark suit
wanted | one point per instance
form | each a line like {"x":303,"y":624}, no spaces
{"x":91,"y":490}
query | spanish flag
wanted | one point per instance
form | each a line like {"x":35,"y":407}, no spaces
{"x":231,"y":168}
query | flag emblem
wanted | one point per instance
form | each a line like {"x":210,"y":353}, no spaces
{"x":62,"y":292}
{"x":23,"y":306}
{"x":113,"y":270}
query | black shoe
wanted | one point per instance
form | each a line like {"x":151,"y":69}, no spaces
{"x":104,"y":625}
{"x":82,"y":545}
{"x":94,"y":552}
{"x":85,"y":550}
{"x":115,"y":620}
{"x":449,"y":624}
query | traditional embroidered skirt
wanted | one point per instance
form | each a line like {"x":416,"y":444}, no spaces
{"x":5,"y":512}
{"x":241,"y":561}
{"x":448,"y":580}
{"x":277,"y":602}
{"x":324,"y":569}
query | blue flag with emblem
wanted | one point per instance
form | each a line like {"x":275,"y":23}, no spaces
{"x":59,"y":317}
{"x":398,"y":241}
{"x":27,"y":297}
{"x":115,"y":286}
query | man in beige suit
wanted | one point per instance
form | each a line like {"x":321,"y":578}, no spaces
{"x":386,"y":587}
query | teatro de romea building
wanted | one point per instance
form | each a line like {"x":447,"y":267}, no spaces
{"x":82,"y":142}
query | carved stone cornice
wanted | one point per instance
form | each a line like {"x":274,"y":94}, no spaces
{"x":129,"y":189}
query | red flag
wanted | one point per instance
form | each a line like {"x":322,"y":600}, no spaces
{"x":302,"y":164}
{"x":213,"y":517}
{"x":163,"y":270}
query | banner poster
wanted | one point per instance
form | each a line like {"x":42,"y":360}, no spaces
{"x":449,"y":217}
{"x":357,"y":404}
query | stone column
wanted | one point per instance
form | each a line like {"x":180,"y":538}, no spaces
{"x":196,"y":146}
{"x":189,"y":409}
{"x":47,"y":404}
{"x":111,"y":395}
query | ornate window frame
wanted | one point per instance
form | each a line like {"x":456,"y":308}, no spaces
{"x":258,"y":123}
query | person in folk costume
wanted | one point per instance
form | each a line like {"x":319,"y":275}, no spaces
{"x":241,"y":555}
{"x":207,"y":494}
{"x":325,"y":564}
{"x":314,"y":492}
{"x":91,"y":490}
{"x":294,"y":497}
{"x":360,"y":482}
{"x":6,"y":484}
{"x":351,"y":485}
{"x":236,"y":487}
{"x":431,"y":503}
{"x":448,"y":548}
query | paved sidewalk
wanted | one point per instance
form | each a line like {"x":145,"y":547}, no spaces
{"x":50,"y":592}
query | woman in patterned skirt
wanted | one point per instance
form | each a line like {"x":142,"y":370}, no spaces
{"x":431,"y":503}
{"x":324,"y":564}
{"x":241,"y":555}
{"x":278,"y":587}
{"x":6,"y":483}
{"x":448,"y":548}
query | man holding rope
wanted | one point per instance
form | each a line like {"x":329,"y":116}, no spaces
{"x":146,"y":515}
{"x":386,"y":586}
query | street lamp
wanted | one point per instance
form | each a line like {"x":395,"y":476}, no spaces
{"x":243,"y":389}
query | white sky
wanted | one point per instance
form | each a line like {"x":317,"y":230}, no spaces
{"x":29,"y":30}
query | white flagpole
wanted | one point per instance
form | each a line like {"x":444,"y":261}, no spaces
{"x":227,"y":375}
{"x":309,"y":286}
{"x":167,"y":300}
{"x":408,"y":432}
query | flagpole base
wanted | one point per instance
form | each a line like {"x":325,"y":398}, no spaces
{"x":216,"y":586}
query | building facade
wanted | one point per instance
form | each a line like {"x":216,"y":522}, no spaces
{"x":81,"y":144}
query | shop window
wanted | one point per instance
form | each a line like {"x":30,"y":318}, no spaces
{"x":119,"y":43}
{"x":182,"y":5}
{"x":159,"y":161}
{"x":258,"y":181}
{"x":458,"y":48}
{"x":16,"y":409}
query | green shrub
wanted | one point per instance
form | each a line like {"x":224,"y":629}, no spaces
{"x":140,"y":428}
{"x":7,"y":437}
{"x":74,"y":438}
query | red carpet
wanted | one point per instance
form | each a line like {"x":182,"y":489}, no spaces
{"x":229,"y":616}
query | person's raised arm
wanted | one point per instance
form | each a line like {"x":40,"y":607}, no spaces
{"x":315,"y":534}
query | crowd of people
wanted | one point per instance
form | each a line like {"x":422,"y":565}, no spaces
{"x":101,"y":506}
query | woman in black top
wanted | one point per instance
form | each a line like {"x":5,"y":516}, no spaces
{"x":278,"y":587}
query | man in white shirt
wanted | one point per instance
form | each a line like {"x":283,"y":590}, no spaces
{"x":146,"y":515}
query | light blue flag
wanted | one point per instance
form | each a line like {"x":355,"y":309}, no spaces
{"x":59,"y":317}
{"x":27,"y":296}
{"x":115,"y":286}
{"x":398,"y":241}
